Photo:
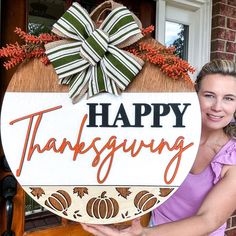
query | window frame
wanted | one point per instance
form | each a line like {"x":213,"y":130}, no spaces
{"x":199,"y":26}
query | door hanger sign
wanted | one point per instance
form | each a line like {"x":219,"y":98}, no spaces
{"x":103,"y":160}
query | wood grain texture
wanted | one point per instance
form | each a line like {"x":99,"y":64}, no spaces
{"x":18,"y":223}
{"x":34,"y":76}
{"x":151,"y":79}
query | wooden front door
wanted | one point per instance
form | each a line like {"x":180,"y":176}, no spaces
{"x":14,"y":13}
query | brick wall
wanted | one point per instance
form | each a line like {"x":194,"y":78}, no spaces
{"x":231,"y":225}
{"x":223,"y":45}
{"x":223,"y":39}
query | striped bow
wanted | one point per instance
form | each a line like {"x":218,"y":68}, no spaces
{"x":90,"y":59}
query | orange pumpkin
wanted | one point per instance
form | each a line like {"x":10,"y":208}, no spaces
{"x":144,"y":200}
{"x":59,"y":201}
{"x":102,"y":207}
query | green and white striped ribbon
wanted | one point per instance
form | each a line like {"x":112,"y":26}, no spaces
{"x":90,"y":60}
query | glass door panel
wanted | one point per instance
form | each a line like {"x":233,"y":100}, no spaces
{"x":177,"y":35}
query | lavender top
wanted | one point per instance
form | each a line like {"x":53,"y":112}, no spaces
{"x":188,"y":198}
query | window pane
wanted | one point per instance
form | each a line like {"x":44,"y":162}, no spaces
{"x":176,"y":35}
{"x":43,"y":14}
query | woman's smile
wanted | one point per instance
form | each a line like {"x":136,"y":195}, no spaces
{"x":215,"y":118}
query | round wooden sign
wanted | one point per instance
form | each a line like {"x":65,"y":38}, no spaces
{"x":106,"y":159}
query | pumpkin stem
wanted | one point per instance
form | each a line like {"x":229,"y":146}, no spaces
{"x":65,"y":213}
{"x":103,"y":194}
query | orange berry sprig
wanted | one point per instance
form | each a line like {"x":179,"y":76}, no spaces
{"x":147,"y":30}
{"x":163,"y":57}
{"x":32,"y":48}
{"x":42,"y":38}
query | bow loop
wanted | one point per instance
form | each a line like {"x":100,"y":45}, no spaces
{"x":120,"y":25}
{"x":91,"y":58}
{"x":75,"y":23}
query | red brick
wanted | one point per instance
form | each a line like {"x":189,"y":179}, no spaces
{"x":218,"y":33}
{"x":233,"y":221}
{"x":230,"y":35}
{"x":218,"y":45}
{"x":232,"y":2}
{"x":231,"y":232}
{"x":216,"y":9}
{"x":221,"y":33}
{"x":218,"y":21}
{"x":223,"y":9}
{"x":229,"y":225}
{"x":217,"y":1}
{"x":222,"y":55}
{"x":231,"y":23}
{"x":231,"y":47}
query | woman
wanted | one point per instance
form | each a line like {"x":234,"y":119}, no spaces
{"x":206,"y":199}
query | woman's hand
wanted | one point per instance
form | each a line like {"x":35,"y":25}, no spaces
{"x":136,"y":229}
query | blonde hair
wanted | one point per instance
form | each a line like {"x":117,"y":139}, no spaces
{"x":222,"y":67}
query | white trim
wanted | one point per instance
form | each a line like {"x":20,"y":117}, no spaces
{"x":200,"y":12}
{"x":160,"y":18}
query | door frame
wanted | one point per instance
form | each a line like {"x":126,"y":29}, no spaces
{"x":200,"y":12}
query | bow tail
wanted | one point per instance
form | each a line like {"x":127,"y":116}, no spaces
{"x":100,"y":82}
{"x":112,"y":87}
{"x":122,"y":27}
{"x":78,"y":84}
{"x":65,"y":80}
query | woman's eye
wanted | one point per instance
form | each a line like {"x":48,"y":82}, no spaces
{"x":229,"y":99}
{"x":208,"y":96}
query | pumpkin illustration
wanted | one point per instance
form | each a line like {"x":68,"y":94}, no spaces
{"x":165,"y":191}
{"x":102,"y":207}
{"x":144,"y":200}
{"x":59,"y":201}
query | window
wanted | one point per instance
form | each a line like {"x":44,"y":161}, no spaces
{"x":194,"y":19}
{"x":176,"y":35}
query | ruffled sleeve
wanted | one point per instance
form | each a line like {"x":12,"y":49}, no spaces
{"x":226,"y":156}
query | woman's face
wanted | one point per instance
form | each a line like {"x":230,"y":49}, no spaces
{"x":217,"y":97}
